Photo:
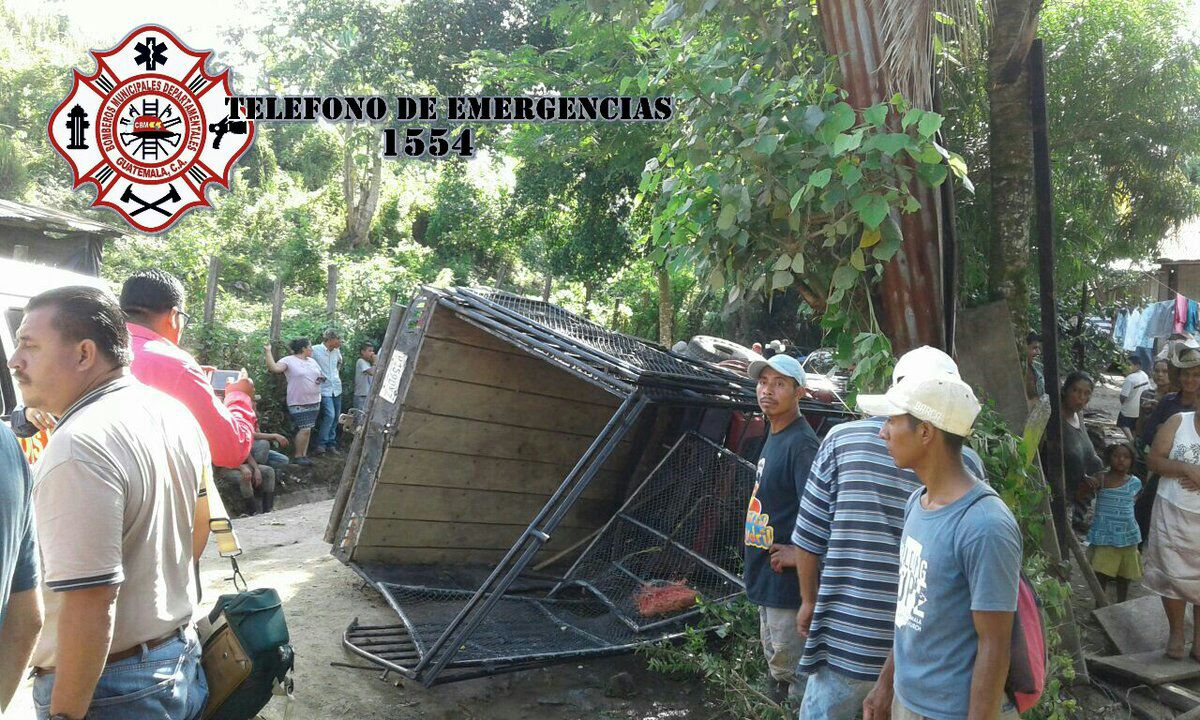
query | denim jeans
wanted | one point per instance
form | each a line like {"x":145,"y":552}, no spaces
{"x":165,"y":683}
{"x":782,"y":646}
{"x":264,"y":455}
{"x":829,"y":695}
{"x":331,"y":407}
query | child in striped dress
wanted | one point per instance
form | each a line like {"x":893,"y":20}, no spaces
{"x":1114,"y":536}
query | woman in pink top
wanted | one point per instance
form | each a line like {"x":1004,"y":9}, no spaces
{"x":304,"y":378}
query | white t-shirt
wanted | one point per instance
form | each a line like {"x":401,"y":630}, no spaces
{"x":115,"y":500}
{"x":1133,"y":387}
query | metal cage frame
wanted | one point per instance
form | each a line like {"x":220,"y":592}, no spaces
{"x":641,"y":373}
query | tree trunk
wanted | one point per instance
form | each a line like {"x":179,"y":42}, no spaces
{"x":1080,"y":351}
{"x":1010,"y":149}
{"x":547,"y":286}
{"x":362,"y":198}
{"x":913,"y":278}
{"x":665,"y":314}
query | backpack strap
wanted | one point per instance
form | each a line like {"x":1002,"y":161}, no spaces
{"x":222,"y":529}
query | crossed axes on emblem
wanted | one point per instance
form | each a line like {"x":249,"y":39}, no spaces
{"x":171,"y":196}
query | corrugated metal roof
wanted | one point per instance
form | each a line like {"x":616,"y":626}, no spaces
{"x":25,"y":279}
{"x":19,"y":214}
{"x":1182,"y":245}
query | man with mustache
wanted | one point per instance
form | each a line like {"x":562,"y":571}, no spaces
{"x":114,"y":496}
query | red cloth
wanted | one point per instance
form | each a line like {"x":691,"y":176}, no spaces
{"x":163,"y":365}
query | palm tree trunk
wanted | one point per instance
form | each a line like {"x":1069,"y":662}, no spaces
{"x":913,"y":279}
{"x":1011,"y":151}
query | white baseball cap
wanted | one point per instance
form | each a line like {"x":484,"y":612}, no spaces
{"x":782,"y":364}
{"x":945,"y":402}
{"x":924,"y":361}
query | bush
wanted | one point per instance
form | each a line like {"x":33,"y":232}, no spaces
{"x":730,"y":660}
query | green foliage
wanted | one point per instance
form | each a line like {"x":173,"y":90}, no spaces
{"x":1122,"y":79}
{"x":311,"y":152}
{"x":769,"y":181}
{"x":464,"y":228}
{"x":730,"y":660}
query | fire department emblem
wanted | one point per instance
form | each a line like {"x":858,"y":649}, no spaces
{"x":150,"y":129}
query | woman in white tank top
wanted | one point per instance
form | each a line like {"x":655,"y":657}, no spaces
{"x":1172,"y":560}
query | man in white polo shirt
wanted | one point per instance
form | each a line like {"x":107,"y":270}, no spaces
{"x":114,"y":497}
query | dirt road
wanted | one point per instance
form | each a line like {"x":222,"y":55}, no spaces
{"x":321,"y":596}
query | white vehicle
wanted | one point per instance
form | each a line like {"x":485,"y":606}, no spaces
{"x":20,"y":281}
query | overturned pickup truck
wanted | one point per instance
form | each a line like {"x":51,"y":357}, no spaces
{"x":529,"y":487}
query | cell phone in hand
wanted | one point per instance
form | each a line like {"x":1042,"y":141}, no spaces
{"x":221,"y":378}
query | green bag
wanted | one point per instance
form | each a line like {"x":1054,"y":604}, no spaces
{"x":247,"y":655}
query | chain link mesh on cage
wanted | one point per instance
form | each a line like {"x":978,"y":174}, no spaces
{"x":637,"y":353}
{"x":675,"y":543}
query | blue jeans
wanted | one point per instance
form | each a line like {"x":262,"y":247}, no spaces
{"x":331,"y":407}
{"x":829,"y":695}
{"x":165,"y":683}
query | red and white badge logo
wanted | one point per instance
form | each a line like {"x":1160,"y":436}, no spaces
{"x":150,"y":129}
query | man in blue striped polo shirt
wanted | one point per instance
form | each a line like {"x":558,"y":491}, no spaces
{"x":848,"y":535}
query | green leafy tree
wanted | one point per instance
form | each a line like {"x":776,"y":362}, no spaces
{"x":771,"y":181}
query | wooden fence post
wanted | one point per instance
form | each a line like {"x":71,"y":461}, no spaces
{"x":331,"y":294}
{"x":276,"y":311}
{"x":210,"y":306}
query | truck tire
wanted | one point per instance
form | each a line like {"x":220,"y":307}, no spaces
{"x":715,"y":349}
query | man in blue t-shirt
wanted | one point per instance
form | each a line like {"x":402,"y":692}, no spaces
{"x":783,"y":468}
{"x":20,"y":607}
{"x":960,"y":559}
{"x":848,"y":536}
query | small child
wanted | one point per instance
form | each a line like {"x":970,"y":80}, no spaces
{"x":1114,"y":536}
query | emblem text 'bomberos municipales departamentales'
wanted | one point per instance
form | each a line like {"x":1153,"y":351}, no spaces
{"x":150,"y":129}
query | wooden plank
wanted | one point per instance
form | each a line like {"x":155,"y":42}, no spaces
{"x":1151,"y":668}
{"x":445,"y":469}
{"x":469,"y":536}
{"x":1138,"y":625}
{"x":523,"y":373}
{"x":433,"y":556}
{"x":447,"y":325}
{"x":510,"y":407}
{"x":455,"y":505}
{"x":475,"y":437}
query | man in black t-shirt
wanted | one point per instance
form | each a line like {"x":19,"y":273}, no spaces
{"x":782,"y":471}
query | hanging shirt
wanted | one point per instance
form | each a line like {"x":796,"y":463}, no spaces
{"x":1119,"y":328}
{"x":1132,"y":331}
{"x":1193,"y":317}
{"x":1162,"y":323}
